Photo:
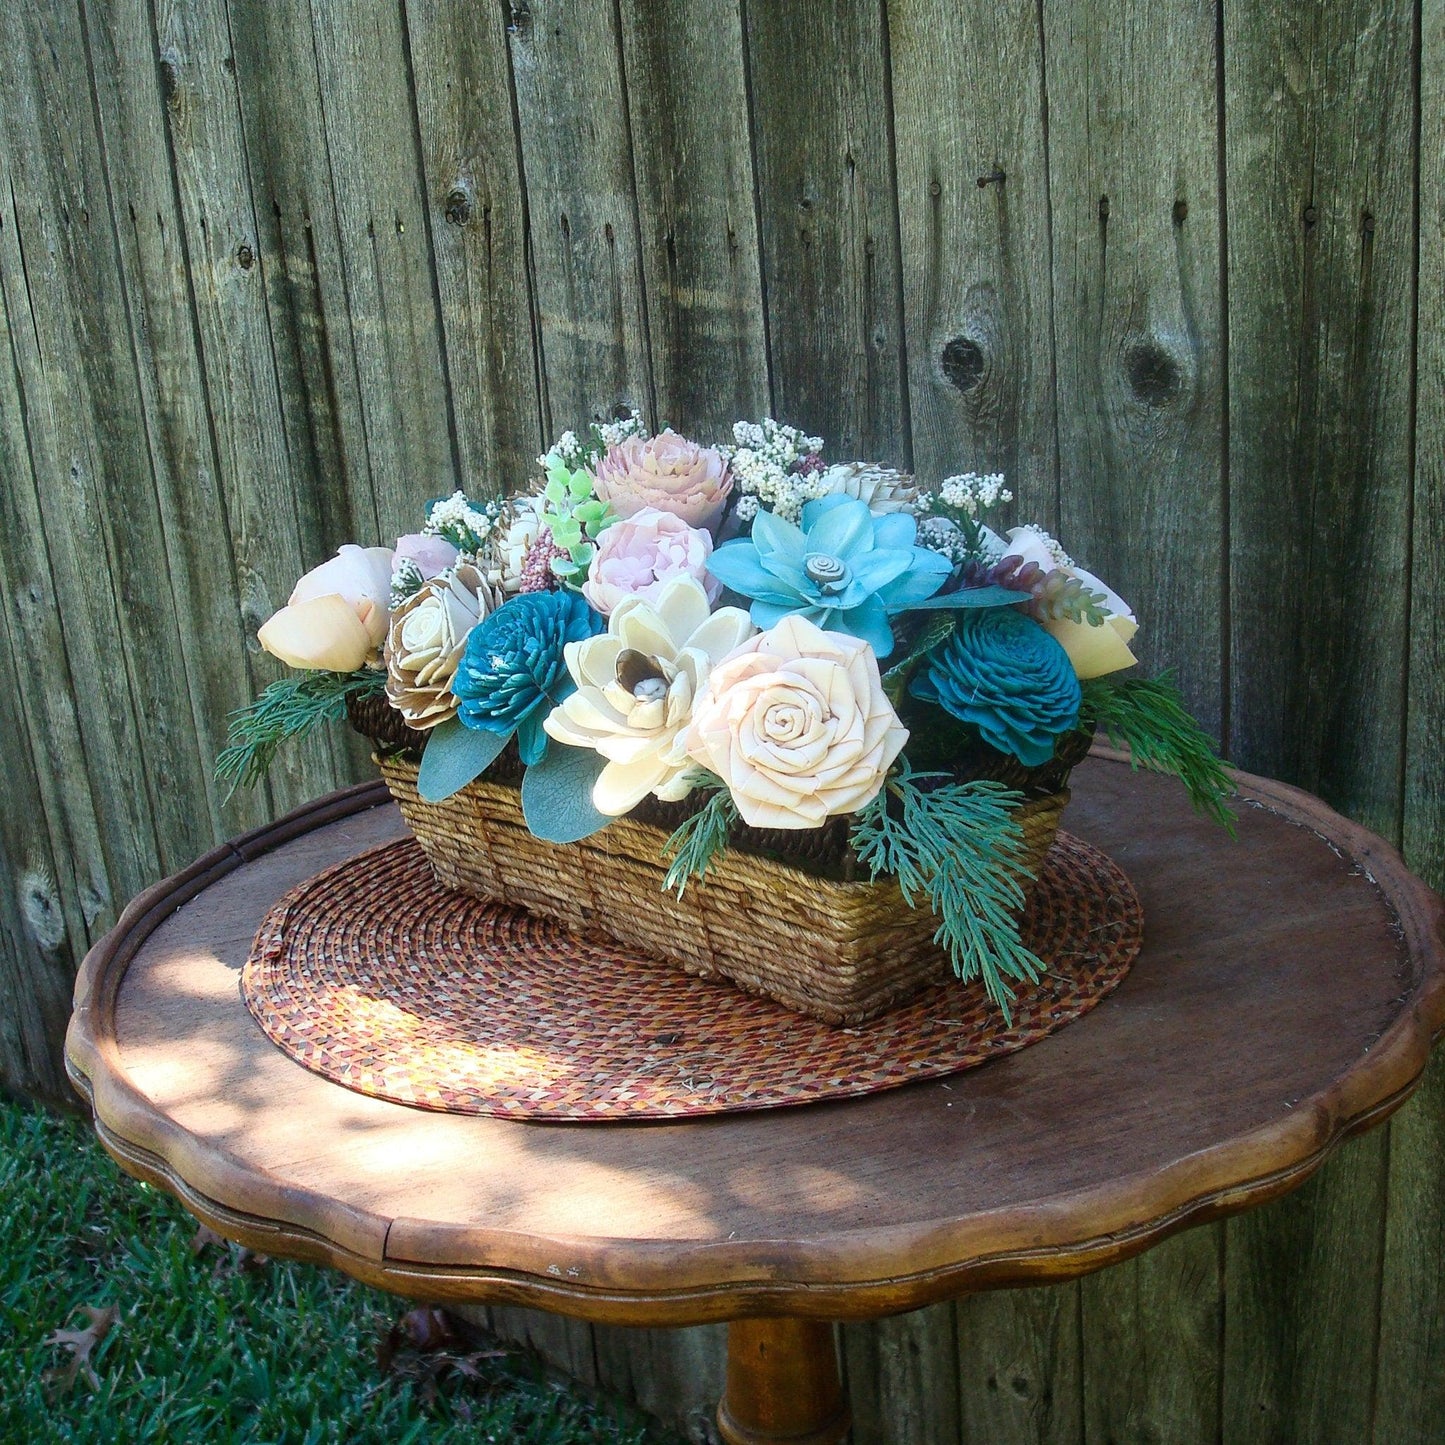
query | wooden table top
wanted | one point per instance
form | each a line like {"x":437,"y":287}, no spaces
{"x":1286,"y":996}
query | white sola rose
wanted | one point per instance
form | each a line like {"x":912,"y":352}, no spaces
{"x":798,"y":726}
{"x":1094,"y":651}
{"x":636,"y":685}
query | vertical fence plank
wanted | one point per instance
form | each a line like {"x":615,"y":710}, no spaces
{"x":384,"y":227}
{"x":903,"y":1378}
{"x":302,"y":271}
{"x":1319,"y":151}
{"x":474,"y":198}
{"x":1320,"y":154}
{"x":1133,"y":164}
{"x":1410,"y":1389}
{"x":194,"y":551}
{"x":577,"y":160}
{"x":1019,"y":1371}
{"x":828,"y":207}
{"x":76,"y":379}
{"x":974,"y":216}
{"x":263,"y":456}
{"x":696,"y":210}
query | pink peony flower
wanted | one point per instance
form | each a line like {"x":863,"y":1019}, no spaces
{"x":431,"y":554}
{"x":667,"y":472}
{"x":636,"y":557}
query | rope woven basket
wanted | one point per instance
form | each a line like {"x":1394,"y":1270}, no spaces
{"x":837,"y":948}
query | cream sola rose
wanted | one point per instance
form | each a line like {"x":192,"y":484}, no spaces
{"x":636,"y":684}
{"x":1094,"y":651}
{"x":337,"y":614}
{"x":796,"y":723}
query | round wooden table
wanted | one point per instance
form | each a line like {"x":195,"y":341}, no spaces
{"x":1286,"y":997}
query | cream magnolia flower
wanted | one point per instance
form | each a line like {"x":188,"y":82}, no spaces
{"x":336,"y":617}
{"x":636,"y":684}
{"x":1094,"y":651}
{"x":797,"y":724}
{"x":425,"y":642}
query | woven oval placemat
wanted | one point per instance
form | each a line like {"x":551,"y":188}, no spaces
{"x":374,"y":976}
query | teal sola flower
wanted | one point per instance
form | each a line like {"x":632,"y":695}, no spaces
{"x":513,"y":673}
{"x":844,"y":569}
{"x":1004,"y":674}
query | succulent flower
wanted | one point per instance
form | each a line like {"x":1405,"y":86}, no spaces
{"x":336,"y":617}
{"x":1005,"y":675}
{"x":795,"y":721}
{"x":844,"y":569}
{"x":425,"y":641}
{"x":636,"y":686}
{"x":512,"y":668}
{"x":636,"y":558}
{"x":883,"y":488}
{"x":1093,"y":649}
{"x":667,"y":472}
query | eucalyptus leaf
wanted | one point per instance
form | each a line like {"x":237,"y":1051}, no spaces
{"x":970,"y":597}
{"x":454,"y":755}
{"x":557,"y":794}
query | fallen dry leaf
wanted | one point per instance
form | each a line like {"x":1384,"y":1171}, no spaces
{"x":238,"y":1257}
{"x":81,"y":1344}
{"x":422,"y":1347}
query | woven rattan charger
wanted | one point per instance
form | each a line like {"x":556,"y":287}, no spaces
{"x":1285,"y":997}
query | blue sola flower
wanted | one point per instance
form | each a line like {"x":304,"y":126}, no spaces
{"x":513,"y":671}
{"x":1008,"y":677}
{"x":844,"y":569}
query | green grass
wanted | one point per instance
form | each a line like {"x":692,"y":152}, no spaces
{"x":209,"y":1349}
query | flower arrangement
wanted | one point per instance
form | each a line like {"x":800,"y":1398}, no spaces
{"x":754,"y":638}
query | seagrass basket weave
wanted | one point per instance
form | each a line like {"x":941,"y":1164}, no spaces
{"x":803,"y":930}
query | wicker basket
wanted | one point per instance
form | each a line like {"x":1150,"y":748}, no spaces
{"x":839,"y":949}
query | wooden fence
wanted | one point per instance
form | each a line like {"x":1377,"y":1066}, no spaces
{"x":274,"y":272}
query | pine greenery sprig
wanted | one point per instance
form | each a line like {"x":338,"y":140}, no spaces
{"x":700,"y":839}
{"x":1148,"y":716}
{"x":960,"y":847}
{"x":289,"y":708}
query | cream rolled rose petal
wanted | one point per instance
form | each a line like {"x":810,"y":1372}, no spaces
{"x":636,"y":684}
{"x":796,"y":722}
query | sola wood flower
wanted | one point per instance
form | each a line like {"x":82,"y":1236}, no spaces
{"x":336,"y":617}
{"x":667,"y":472}
{"x":424,"y":644}
{"x":512,"y":665}
{"x":883,"y":488}
{"x":1004,"y":674}
{"x":638,"y":557}
{"x":797,"y":724}
{"x":1094,"y":651}
{"x":636,"y":686}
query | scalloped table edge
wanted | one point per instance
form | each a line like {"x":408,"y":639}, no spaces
{"x":694,"y":1282}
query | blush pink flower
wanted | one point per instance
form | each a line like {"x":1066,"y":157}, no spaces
{"x":637,"y":557}
{"x":430,"y":553}
{"x":667,"y":472}
{"x":337,"y":616}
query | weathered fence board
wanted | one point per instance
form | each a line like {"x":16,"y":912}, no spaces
{"x":274,"y":274}
{"x":828,"y":213}
{"x":973,"y":204}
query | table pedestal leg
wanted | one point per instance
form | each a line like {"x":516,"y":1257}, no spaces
{"x":782,"y":1385}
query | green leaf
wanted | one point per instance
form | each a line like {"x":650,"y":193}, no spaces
{"x":895,"y":681}
{"x":970,"y":597}
{"x":454,"y":755}
{"x":557,"y":794}
{"x":702,"y":838}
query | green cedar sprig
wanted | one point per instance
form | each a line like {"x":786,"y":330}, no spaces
{"x":1148,"y":716}
{"x":700,"y":839}
{"x":289,"y":708}
{"x":960,"y":847}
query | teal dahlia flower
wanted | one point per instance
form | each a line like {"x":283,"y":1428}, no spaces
{"x":1004,"y":674}
{"x":513,"y":672}
{"x":844,"y":569}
